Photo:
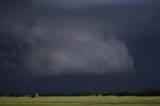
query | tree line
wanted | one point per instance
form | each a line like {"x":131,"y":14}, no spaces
{"x":148,"y":92}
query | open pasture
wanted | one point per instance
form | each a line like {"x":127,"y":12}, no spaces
{"x":81,"y":101}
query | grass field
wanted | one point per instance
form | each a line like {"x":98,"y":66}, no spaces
{"x":81,"y":101}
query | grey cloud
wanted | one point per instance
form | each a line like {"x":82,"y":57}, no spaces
{"x":70,"y":50}
{"x":80,"y":3}
{"x":69,"y":44}
{"x":53,"y":37}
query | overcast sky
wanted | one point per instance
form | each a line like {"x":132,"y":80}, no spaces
{"x":79,"y":45}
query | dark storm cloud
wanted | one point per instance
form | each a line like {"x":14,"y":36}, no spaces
{"x":69,"y":43}
{"x":87,"y":36}
{"x":69,"y":49}
{"x":80,"y":4}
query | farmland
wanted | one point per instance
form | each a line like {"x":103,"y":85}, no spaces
{"x":81,"y":101}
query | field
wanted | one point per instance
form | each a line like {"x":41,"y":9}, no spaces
{"x":81,"y":101}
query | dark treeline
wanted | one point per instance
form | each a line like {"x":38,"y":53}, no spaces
{"x":149,"y":92}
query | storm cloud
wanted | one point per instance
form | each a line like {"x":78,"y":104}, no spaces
{"x":79,"y":45}
{"x":65,"y":50}
{"x":62,"y":43}
{"x":80,"y":4}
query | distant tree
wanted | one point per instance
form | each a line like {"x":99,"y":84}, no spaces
{"x":105,"y":94}
{"x":12,"y":94}
{"x":151,"y":92}
{"x":80,"y":94}
{"x":121,"y":94}
{"x":0,"y":94}
{"x":124,"y":94}
{"x":34,"y":95}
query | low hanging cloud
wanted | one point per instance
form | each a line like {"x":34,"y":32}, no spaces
{"x":72,"y":50}
{"x":68,"y":49}
{"x":79,"y":3}
{"x":57,"y":45}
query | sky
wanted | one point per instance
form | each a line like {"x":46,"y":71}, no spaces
{"x":65,"y":46}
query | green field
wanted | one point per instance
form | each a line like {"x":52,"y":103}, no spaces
{"x":81,"y":101}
